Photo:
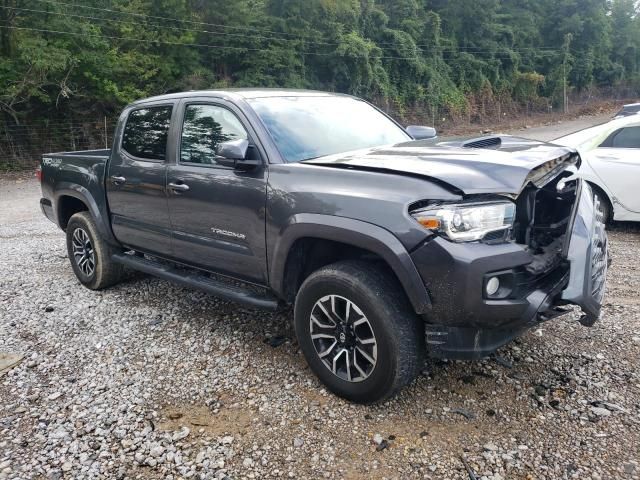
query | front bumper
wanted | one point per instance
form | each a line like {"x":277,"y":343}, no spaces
{"x":464,"y":323}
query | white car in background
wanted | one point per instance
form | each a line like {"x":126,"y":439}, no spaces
{"x":628,"y":109}
{"x":611,"y":164}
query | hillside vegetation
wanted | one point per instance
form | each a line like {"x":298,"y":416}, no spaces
{"x":65,"y":63}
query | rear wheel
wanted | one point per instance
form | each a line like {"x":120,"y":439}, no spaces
{"x":90,"y":255}
{"x":358,"y":331}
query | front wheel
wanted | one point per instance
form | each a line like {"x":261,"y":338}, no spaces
{"x":358,"y":331}
{"x":90,"y":255}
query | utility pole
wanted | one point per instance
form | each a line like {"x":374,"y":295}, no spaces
{"x":564,"y":87}
{"x":304,"y":69}
{"x":565,"y":47}
{"x":73,"y":138}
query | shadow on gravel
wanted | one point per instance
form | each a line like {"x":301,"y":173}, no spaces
{"x":275,"y":330}
{"x":624,"y":227}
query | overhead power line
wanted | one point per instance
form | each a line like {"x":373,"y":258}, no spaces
{"x":181,"y":29}
{"x":156,"y":17}
{"x":292,"y":37}
{"x":201,"y":45}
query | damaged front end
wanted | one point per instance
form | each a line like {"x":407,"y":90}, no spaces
{"x":562,"y":228}
{"x":488,"y":292}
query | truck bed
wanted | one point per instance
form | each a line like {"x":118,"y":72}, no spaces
{"x":104,"y":153}
{"x":80,"y":175}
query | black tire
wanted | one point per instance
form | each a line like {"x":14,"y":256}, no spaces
{"x":396,"y":328}
{"x":104,"y":271}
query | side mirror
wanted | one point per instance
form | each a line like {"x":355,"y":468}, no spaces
{"x":233,"y":153}
{"x":419,"y":132}
{"x":233,"y":149}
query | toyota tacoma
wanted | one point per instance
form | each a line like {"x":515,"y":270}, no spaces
{"x":389,"y":243}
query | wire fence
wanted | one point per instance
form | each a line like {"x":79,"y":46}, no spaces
{"x":22,"y":145}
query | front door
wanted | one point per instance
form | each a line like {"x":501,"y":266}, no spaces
{"x":617,"y":162}
{"x":217,"y":212}
{"x":136,"y":179}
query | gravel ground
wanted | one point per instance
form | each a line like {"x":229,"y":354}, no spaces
{"x":151,"y":380}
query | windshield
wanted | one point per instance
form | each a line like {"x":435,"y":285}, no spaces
{"x":311,"y":127}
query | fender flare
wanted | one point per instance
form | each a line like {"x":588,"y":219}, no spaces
{"x":358,"y":234}
{"x":68,"y":189}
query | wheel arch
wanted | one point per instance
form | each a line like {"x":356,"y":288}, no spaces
{"x":351,"y":236}
{"x":66,"y":207}
{"x":72,"y":198}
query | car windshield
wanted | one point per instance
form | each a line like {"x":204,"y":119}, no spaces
{"x":310,"y":127}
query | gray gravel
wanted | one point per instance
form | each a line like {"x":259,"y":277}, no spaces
{"x":150,"y":380}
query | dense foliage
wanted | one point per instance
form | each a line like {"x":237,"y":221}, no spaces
{"x":61,"y":60}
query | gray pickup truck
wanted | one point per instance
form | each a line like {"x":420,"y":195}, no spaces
{"x":388,"y":242}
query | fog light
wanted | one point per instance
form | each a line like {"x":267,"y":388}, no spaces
{"x":492,"y":287}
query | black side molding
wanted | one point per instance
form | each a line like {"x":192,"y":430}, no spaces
{"x":191,"y":278}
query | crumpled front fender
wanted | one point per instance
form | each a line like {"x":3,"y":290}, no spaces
{"x":588,"y":254}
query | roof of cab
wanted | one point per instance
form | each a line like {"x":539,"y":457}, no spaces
{"x":245,"y":93}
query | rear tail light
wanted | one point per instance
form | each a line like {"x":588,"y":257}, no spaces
{"x":39,"y":174}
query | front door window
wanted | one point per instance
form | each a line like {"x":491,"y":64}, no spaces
{"x":205,"y":127}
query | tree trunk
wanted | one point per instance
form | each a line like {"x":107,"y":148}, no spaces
{"x":7,"y":19}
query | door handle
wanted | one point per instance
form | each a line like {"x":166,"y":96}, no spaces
{"x":178,"y":187}
{"x":118,"y":180}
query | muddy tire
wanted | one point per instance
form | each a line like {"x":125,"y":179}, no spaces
{"x":358,"y":331}
{"x":90,"y":255}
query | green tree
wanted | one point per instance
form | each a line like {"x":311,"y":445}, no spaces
{"x":421,"y":59}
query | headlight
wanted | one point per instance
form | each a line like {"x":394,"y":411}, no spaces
{"x":466,"y":222}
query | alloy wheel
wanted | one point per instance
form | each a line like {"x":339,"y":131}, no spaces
{"x":343,"y":338}
{"x":83,"y":253}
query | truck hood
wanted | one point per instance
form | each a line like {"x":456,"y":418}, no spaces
{"x":506,"y":166}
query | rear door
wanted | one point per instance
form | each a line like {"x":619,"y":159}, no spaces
{"x":136,"y":179}
{"x":217,"y":212}
{"x":617,"y":163}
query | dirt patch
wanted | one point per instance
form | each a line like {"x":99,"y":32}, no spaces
{"x":313,"y":396}
{"x":8,"y":361}
{"x":202,"y":420}
{"x":604,"y":109}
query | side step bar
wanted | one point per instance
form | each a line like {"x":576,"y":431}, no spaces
{"x":200,"y":281}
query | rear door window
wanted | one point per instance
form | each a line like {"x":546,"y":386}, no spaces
{"x":146,"y":131}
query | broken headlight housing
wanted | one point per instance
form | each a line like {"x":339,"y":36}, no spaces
{"x":467,"y":222}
